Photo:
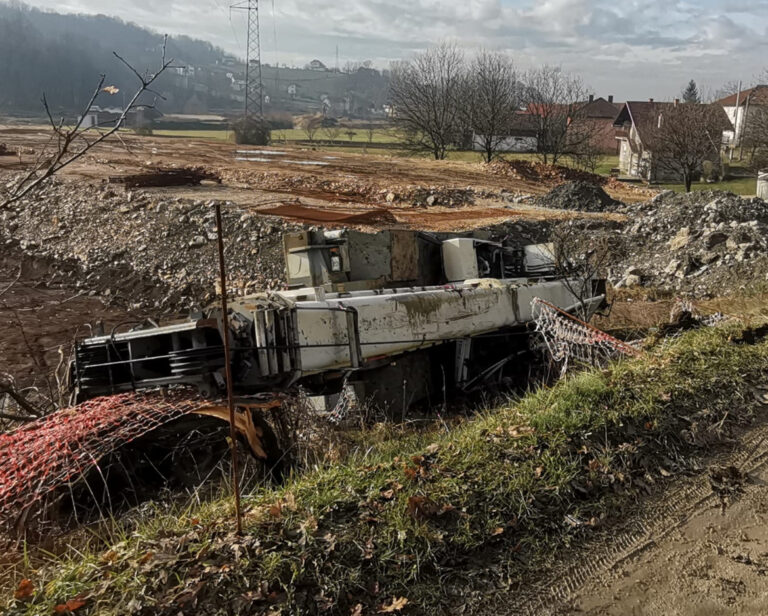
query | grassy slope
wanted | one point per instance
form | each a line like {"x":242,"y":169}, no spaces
{"x":407,"y":518}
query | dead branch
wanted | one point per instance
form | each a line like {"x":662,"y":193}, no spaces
{"x":70,"y":142}
{"x":8,"y":388}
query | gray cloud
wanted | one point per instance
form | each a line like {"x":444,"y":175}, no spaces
{"x":633,"y":49}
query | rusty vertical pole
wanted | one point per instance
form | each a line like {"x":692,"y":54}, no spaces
{"x":228,"y":369}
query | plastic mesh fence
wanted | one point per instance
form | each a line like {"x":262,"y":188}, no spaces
{"x":570,"y":340}
{"x":41,"y":456}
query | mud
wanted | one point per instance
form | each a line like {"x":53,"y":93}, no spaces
{"x":39,"y":321}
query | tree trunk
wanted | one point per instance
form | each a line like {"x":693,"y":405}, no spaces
{"x":688,"y":179}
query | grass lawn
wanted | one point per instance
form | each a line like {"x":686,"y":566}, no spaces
{"x":739,"y":186}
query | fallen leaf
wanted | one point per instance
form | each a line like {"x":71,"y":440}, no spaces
{"x":275,"y":510}
{"x":368,"y":549}
{"x":420,"y":507}
{"x":146,"y":557}
{"x":538,"y":471}
{"x":110,"y":89}
{"x":70,"y":606}
{"x":388,"y":494}
{"x":357,"y":610}
{"x":24,"y":590}
{"x":398,"y":603}
{"x":497,"y":531}
{"x":109,"y":557}
{"x":432,"y":449}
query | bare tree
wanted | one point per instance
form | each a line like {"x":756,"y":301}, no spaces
{"x":332,"y":131}
{"x":755,"y":137}
{"x":424,"y":95}
{"x":492,"y":99}
{"x":559,"y":103}
{"x":583,"y":254}
{"x":69,"y":143}
{"x":310,"y":125}
{"x":683,"y":137}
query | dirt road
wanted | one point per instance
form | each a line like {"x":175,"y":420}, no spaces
{"x":679,"y":554}
{"x":712,"y":564}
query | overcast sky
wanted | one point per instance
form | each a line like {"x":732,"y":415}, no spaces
{"x":633,"y":49}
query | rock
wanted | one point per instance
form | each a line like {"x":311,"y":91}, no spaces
{"x":681,"y":239}
{"x":711,"y":240}
{"x":673,"y":266}
{"x":632,"y":280}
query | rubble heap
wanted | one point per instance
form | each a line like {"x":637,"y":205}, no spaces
{"x":702,"y":243}
{"x":579,"y":195}
{"x":144,"y":251}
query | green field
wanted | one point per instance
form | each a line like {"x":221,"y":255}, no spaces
{"x":739,"y":186}
{"x":380,"y":135}
{"x":219,"y":135}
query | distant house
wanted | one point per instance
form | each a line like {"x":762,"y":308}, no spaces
{"x":140,"y":116}
{"x":316,"y":65}
{"x":635,"y":125}
{"x":101,"y":117}
{"x":521,"y":136}
{"x":740,"y":107}
{"x":601,"y":113}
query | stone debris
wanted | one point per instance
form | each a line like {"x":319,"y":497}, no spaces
{"x":579,"y":195}
{"x":150,"y":252}
{"x":701,"y":243}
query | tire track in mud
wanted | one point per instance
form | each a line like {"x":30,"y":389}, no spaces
{"x":661,"y":515}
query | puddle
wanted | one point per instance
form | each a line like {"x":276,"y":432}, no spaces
{"x":265,"y":152}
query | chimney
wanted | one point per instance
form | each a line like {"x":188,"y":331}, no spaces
{"x":650,"y":100}
{"x":591,"y":98}
{"x":610,"y":98}
{"x":676,"y":102}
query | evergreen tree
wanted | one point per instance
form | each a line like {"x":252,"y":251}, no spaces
{"x":691,"y":93}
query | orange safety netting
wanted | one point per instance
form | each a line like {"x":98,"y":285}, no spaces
{"x":40,"y":456}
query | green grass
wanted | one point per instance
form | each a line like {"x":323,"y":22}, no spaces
{"x":380,"y":135}
{"x":739,"y":186}
{"x":219,"y":135}
{"x":406,"y":515}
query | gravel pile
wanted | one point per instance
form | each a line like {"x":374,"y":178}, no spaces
{"x":144,"y":251}
{"x":579,"y":195}
{"x":701,"y":243}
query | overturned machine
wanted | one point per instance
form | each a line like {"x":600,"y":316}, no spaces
{"x":399,"y":316}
